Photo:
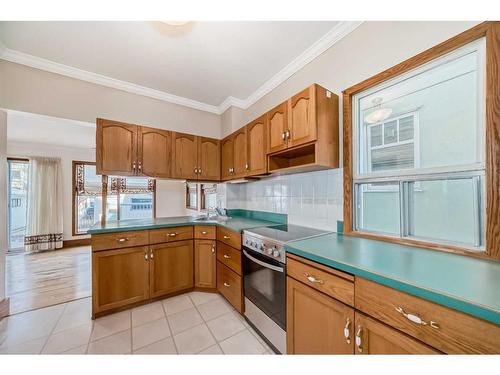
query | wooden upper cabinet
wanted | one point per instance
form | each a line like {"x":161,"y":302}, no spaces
{"x":302,"y":127}
{"x":116,"y":148}
{"x":154,"y":152}
{"x":185,"y":156}
{"x":277,"y":125}
{"x":256,"y":146}
{"x":373,"y":337}
{"x":227,"y":153}
{"x":208,"y":159}
{"x":240,"y":156}
{"x":317,"y":323}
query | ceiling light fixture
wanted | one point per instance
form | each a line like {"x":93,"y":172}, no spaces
{"x":379,"y":114}
{"x":175,"y":23}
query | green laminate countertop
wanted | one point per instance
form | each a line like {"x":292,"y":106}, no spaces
{"x":467,"y":284}
{"x":236,"y":224}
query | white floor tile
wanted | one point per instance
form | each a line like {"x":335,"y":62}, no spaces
{"x":242,"y":343}
{"x":29,"y":347}
{"x":212,"y":350}
{"x":75,"y":314}
{"x":149,"y":333}
{"x":80,"y":350}
{"x":212,"y":309}
{"x":68,"y":339}
{"x":183,"y":320}
{"x":120,"y":343}
{"x":147,"y":313}
{"x":199,"y":298}
{"x":29,"y":325}
{"x":165,"y":346}
{"x":178,"y":303}
{"x":111,"y":324}
{"x":194,"y":340}
{"x":225,"y":326}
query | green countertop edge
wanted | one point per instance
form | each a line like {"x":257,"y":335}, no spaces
{"x":441,"y":299}
{"x":258,"y":215}
{"x":261,"y":218}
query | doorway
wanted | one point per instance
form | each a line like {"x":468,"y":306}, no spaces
{"x":17,"y":195}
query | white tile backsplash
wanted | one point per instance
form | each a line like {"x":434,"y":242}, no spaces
{"x":311,"y":199}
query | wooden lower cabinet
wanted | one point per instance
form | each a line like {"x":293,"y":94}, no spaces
{"x":205,"y":264}
{"x":171,"y":267}
{"x":119,"y":277}
{"x":373,"y":337}
{"x":316,"y":322}
{"x":230,"y":285}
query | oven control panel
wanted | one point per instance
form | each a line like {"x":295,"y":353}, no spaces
{"x":264,"y":246}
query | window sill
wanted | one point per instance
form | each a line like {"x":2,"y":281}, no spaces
{"x":421,"y":244}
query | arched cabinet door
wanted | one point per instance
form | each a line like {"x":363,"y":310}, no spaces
{"x":302,"y":117}
{"x":185,"y":156}
{"x":227,"y":153}
{"x":208,"y":159}
{"x":116,"y":148}
{"x":240,"y":153}
{"x":256,"y":144}
{"x":154,"y":152}
{"x":276,"y":128}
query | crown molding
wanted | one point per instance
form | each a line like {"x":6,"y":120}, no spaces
{"x":84,"y":75}
{"x":321,"y":45}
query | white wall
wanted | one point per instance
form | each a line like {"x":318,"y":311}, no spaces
{"x":32,"y":90}
{"x":3,"y":199}
{"x":170,"y":198}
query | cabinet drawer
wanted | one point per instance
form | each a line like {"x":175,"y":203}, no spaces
{"x":170,"y":234}
{"x":229,"y":256}
{"x":205,"y":232}
{"x":119,"y":240}
{"x":229,"y":285}
{"x":451,"y":331}
{"x":229,"y":237}
{"x":335,"y":286}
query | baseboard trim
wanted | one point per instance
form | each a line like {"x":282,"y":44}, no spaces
{"x":77,"y":242}
{"x":4,"y":308}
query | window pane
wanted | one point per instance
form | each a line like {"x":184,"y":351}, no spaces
{"x":446,"y":97}
{"x":445,"y":210}
{"x":378,"y":208}
{"x":88,"y":212}
{"x":136,"y":206}
{"x":18,"y":203}
{"x":111,"y":208}
{"x":390,"y":132}
{"x":394,"y":157}
{"x":376,"y":135}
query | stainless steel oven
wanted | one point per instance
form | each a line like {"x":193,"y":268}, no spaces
{"x":264,"y":287}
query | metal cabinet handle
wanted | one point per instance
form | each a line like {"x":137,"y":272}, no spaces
{"x":145,"y":256}
{"x":347,"y":331}
{"x":287,"y":134}
{"x":416,"y":319}
{"x":283,"y":135}
{"x":122,"y":240}
{"x":247,"y":166}
{"x":171,"y":234}
{"x":204,"y":232}
{"x":359,"y":343}
{"x":151,"y":255}
{"x":226,"y":285}
{"x":140,"y":167}
{"x":199,"y":170}
{"x":313,"y":279}
{"x":226,"y":237}
{"x":196,"y":171}
{"x":227,"y":256}
{"x":213,"y":247}
{"x":133,"y":166}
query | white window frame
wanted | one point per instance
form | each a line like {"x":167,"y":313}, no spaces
{"x":404,"y":177}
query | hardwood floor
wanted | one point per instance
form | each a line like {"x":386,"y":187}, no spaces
{"x":44,"y":279}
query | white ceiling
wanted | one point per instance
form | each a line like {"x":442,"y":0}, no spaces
{"x":47,"y":130}
{"x":206,"y":62}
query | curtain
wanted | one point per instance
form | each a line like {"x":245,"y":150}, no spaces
{"x":44,"y":229}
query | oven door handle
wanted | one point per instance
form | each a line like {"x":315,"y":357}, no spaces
{"x":263,"y":264}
